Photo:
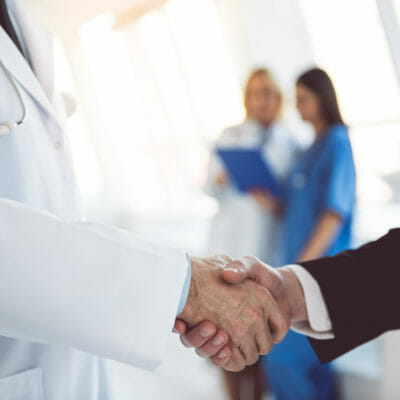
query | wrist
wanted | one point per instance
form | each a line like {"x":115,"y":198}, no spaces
{"x":188,"y":311}
{"x":294,"y":295}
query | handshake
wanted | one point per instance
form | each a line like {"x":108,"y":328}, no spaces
{"x":237,"y":310}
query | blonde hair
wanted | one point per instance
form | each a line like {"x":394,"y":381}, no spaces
{"x":269,"y":77}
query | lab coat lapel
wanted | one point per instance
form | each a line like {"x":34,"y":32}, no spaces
{"x":21,"y":70}
{"x":40,"y":47}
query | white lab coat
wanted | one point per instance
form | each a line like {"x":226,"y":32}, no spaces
{"x":68,"y":289}
{"x":240,"y":226}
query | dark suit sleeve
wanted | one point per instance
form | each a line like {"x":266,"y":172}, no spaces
{"x":361,"y":289}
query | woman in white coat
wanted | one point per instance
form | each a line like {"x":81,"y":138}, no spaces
{"x":242,"y":226}
{"x":261,"y":129}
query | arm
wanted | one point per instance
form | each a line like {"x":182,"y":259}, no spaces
{"x":267,"y":201}
{"x":86,"y":286}
{"x":337,"y":198}
{"x":102,"y":291}
{"x":359,"y":288}
{"x":327,"y":227}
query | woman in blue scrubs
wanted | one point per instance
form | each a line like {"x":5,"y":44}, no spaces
{"x":318,"y":216}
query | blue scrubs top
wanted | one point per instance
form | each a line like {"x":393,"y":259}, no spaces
{"x":322,"y":180}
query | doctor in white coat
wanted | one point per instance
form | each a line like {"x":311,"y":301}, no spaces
{"x":259,"y":228}
{"x":99,"y":312}
{"x":69,"y":289}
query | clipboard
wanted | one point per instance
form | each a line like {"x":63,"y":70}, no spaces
{"x":249,"y":170}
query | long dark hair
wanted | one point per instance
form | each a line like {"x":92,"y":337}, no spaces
{"x":318,"y":81}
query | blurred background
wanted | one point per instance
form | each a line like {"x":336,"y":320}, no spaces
{"x":156,"y":81}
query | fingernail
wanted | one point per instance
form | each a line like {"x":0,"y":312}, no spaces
{"x":174,"y":330}
{"x":206,"y":332}
{"x":185,"y":341}
{"x":221,"y":355}
{"x":201,"y":353}
{"x":231,"y":269}
{"x":218,"y":340}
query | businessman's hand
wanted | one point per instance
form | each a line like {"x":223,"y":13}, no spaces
{"x":246,"y":311}
{"x":282,"y":284}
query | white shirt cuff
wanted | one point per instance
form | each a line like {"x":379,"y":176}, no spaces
{"x":319,"y":325}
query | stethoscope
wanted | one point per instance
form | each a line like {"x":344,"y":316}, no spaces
{"x":7,"y":127}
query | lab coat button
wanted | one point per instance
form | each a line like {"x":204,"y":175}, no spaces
{"x":57,"y":145}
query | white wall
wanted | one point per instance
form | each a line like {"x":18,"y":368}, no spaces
{"x":268,"y":33}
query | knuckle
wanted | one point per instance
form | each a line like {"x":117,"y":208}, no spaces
{"x":255,"y":313}
{"x":243,"y":331}
{"x":262,"y":347}
{"x":235,"y":340}
{"x":238,"y":365}
{"x":267,"y":297}
{"x":287,"y":324}
{"x":253,"y":359}
{"x":263,"y":295}
{"x":284,"y":326}
{"x":268,"y":347}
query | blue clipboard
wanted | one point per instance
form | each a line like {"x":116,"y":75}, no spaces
{"x":249,"y":170}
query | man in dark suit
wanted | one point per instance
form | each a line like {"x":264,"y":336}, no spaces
{"x":341,"y":302}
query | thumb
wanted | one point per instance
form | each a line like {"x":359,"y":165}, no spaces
{"x":179,"y":327}
{"x":235,"y":272}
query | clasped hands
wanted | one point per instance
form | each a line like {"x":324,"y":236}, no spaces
{"x":237,"y":310}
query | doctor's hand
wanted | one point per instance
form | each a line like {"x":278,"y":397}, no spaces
{"x":222,"y":179}
{"x":283,"y":285}
{"x":209,"y":342}
{"x":266,"y":201}
{"x":246,"y":311}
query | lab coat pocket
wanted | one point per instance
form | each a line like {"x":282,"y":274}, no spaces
{"x":25,"y":385}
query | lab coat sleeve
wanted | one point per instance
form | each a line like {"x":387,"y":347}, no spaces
{"x":86,"y":286}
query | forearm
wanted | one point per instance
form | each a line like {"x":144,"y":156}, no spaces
{"x":360,"y":288}
{"x":88,"y":286}
{"x":327,"y":227}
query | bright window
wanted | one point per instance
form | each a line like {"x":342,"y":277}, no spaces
{"x":349,"y":42}
{"x":165,"y":88}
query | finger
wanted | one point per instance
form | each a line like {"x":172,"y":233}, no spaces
{"x":222,"y":358}
{"x":237,"y":362}
{"x":224,"y":258}
{"x":264,"y":339}
{"x":278,"y":322}
{"x":214,"y":345}
{"x":246,"y":267}
{"x":249,"y":351}
{"x":179,"y":327}
{"x":198,"y":335}
{"x":235,"y":272}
